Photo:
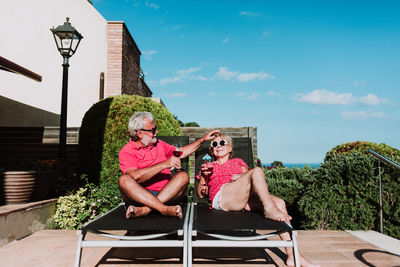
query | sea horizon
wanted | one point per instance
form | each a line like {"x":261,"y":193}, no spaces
{"x":296,"y":165}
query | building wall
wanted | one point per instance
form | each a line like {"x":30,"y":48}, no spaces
{"x":130,"y":64}
{"x":123,"y":66}
{"x":28,"y":41}
{"x":113,"y":77}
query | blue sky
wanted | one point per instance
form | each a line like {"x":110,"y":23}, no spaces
{"x":309,"y":75}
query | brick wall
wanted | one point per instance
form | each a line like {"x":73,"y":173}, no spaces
{"x":123,"y":63}
{"x":113,"y":77}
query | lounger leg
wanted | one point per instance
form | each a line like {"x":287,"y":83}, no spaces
{"x":185,"y":237}
{"x":295,"y":249}
{"x":79,"y":248}
{"x":190,"y":237}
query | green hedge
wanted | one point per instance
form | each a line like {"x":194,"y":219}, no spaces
{"x":362,"y":147}
{"x":287,"y":184}
{"x":343,"y":193}
{"x":104,"y":132}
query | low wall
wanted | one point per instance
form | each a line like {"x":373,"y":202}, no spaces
{"x":20,"y":220}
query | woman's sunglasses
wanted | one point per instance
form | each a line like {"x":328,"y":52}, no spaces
{"x":221,"y":143}
{"x":153,"y":131}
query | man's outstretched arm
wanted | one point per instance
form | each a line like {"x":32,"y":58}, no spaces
{"x":190,"y":148}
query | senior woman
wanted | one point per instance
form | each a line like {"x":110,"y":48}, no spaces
{"x":232,"y":186}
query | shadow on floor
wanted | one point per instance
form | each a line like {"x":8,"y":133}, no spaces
{"x":359,"y":254}
{"x":237,"y":256}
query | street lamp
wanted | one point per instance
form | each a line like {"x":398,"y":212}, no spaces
{"x":67,"y":40}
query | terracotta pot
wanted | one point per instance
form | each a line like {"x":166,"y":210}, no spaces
{"x":18,"y":186}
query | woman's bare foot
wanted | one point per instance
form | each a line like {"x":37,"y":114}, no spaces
{"x":174,"y":211}
{"x":135,"y":212}
{"x":276,"y":214}
{"x":303,"y":261}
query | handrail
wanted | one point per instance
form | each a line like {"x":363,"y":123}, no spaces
{"x":391,"y":163}
{"x":376,"y":154}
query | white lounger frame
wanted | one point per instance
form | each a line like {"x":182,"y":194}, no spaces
{"x":234,"y":241}
{"x":135,"y":241}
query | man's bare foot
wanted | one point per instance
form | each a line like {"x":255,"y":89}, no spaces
{"x":303,"y":262}
{"x":135,"y":212}
{"x":276,"y":214}
{"x":174,"y":211}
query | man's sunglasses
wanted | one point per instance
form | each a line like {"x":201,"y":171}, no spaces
{"x":153,"y":131}
{"x":221,"y":143}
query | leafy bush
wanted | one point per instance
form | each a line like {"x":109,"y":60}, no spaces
{"x":286,"y":183}
{"x":87,"y":203}
{"x":362,"y":147}
{"x":104,"y":132}
{"x":72,"y":211}
{"x":343,"y":194}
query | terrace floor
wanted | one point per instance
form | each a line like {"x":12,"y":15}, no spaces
{"x":327,"y":248}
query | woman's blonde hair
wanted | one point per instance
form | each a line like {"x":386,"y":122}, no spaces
{"x":225,"y":137}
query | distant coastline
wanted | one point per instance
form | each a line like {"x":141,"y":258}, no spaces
{"x":296,"y":165}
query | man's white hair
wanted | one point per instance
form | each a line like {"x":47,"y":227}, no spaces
{"x":136,"y":122}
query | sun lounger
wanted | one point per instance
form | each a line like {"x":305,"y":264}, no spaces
{"x":153,"y":230}
{"x":212,"y":228}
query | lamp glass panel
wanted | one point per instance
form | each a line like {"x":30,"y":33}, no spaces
{"x":66,"y":43}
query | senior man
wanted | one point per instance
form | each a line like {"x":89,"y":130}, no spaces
{"x":145,"y":161}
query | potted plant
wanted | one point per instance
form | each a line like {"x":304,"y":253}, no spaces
{"x":18,"y":186}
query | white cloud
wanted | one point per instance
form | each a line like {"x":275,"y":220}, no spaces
{"x":148,"y":53}
{"x":359,"y":83}
{"x":246,"y":77}
{"x":323,"y":96}
{"x":170,"y":80}
{"x":214,"y":94}
{"x":185,"y":74}
{"x":225,"y":40}
{"x":266,"y":34}
{"x":173,"y":28}
{"x":372,"y":100}
{"x":271,"y":93}
{"x":225,"y":74}
{"x":362,"y":115}
{"x":246,"y":96}
{"x":249,"y":14}
{"x":152,"y":5}
{"x":176,"y":95}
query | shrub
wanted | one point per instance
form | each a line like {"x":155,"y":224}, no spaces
{"x":286,"y":183}
{"x":104,"y":132}
{"x":72,"y":211}
{"x":87,"y":203}
{"x":343,"y":194}
{"x":362,"y":147}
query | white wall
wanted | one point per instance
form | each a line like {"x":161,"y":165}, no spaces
{"x":26,"y":39}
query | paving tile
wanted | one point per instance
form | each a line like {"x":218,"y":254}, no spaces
{"x":373,"y":256}
{"x":343,"y":247}
{"x":327,"y":248}
{"x":340,"y":239}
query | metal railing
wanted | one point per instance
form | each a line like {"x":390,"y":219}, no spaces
{"x":391,"y":163}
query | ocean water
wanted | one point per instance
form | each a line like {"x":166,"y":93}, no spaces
{"x":297,"y":165}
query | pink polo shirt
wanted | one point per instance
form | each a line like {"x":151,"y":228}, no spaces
{"x":138,"y":157}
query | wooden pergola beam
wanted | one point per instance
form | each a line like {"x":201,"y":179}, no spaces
{"x":8,"y":65}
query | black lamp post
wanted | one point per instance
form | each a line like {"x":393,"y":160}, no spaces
{"x":67,"y":41}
